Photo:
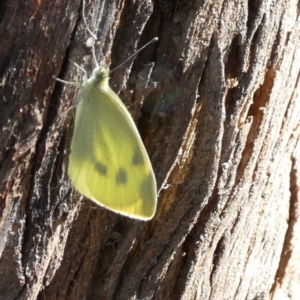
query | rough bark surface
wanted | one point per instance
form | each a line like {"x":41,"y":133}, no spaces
{"x":217,"y":103}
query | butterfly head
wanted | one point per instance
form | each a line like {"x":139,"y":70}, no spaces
{"x":100,"y":76}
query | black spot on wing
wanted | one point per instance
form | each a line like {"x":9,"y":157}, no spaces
{"x":137,"y":158}
{"x":121,"y":177}
{"x":101,"y":168}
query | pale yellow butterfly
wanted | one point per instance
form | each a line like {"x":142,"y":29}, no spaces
{"x":108,"y":162}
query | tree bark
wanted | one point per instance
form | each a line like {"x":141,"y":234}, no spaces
{"x":217,"y":104}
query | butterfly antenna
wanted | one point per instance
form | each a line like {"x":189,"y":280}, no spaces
{"x":94,"y":37}
{"x":135,"y":53}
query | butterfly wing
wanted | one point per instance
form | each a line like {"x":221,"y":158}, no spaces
{"x":108,"y":162}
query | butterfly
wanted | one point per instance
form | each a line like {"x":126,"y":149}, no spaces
{"x":108,"y":162}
